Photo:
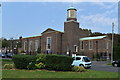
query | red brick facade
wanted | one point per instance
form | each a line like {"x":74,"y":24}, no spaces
{"x":67,"y":42}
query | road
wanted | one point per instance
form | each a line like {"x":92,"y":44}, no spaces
{"x":102,"y":66}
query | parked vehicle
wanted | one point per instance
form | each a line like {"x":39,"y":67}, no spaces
{"x":9,"y":55}
{"x":82,"y":61}
{"x":2,"y":55}
{"x":116,"y":63}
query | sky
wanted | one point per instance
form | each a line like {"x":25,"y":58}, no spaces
{"x":32,"y":18}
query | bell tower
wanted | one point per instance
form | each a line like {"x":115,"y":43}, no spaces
{"x":71,"y":32}
{"x":71,"y":14}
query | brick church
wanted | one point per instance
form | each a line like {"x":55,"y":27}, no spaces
{"x":72,"y":41}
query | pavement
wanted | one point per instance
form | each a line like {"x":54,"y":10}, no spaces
{"x":102,"y":66}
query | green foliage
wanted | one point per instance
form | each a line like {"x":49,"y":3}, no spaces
{"x":38,"y":50}
{"x":55,"y":62}
{"x":8,"y":66}
{"x":5,"y":43}
{"x":116,"y":53}
{"x":78,"y":69}
{"x":19,"y":44}
{"x":58,"y":62}
{"x":40,"y":65}
{"x":41,"y":58}
{"x":22,"y":61}
{"x":31,"y":65}
{"x":43,"y":61}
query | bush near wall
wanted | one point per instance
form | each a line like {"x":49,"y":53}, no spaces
{"x":116,"y":53}
{"x":43,"y":61}
{"x":41,"y":58}
{"x":8,"y":66}
{"x":78,"y":69}
{"x":22,"y":61}
{"x":58,"y":62}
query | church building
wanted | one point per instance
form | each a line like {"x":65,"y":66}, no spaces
{"x":73,"y":41}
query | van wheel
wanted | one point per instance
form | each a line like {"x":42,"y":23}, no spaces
{"x":81,"y":65}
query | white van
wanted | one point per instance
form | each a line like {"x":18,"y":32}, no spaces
{"x":82,"y":61}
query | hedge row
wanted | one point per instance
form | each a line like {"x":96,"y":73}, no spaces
{"x":58,"y":62}
{"x":22,"y":61}
{"x":50,"y":62}
{"x":116,"y":52}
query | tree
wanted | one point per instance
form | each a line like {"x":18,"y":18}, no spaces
{"x":5,"y":43}
{"x":38,"y":50}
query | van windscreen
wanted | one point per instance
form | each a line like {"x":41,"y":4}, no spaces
{"x":86,"y":59}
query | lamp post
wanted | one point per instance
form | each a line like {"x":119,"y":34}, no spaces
{"x":112,"y":42}
{"x":97,"y":49}
{"x":12,"y":45}
{"x":17,"y":47}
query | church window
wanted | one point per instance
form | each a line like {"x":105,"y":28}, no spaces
{"x":81,"y":45}
{"x":48,"y":43}
{"x":90,"y":45}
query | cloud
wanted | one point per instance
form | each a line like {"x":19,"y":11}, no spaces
{"x":103,"y":5}
{"x":100,"y":21}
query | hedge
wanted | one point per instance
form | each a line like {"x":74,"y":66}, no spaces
{"x":43,"y":61}
{"x":56,"y":62}
{"x":22,"y":61}
{"x":116,"y":52}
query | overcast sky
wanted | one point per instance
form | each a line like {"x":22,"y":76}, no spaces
{"x":32,"y":18}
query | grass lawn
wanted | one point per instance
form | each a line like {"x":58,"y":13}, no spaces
{"x":6,"y":61}
{"x":53,"y":74}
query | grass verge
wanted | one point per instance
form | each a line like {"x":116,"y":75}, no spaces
{"x":55,"y":74}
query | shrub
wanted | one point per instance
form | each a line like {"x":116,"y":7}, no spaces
{"x":116,"y":53}
{"x":41,"y":58}
{"x":78,"y":69}
{"x":22,"y":61}
{"x":31,"y":65}
{"x":55,"y":62}
{"x":40,"y":65}
{"x":8,"y":66}
{"x":58,"y":62}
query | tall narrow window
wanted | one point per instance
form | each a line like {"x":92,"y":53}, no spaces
{"x":30,"y":46}
{"x":90,"y":45}
{"x":76,"y":48}
{"x":48,"y":46}
{"x":25,"y":46}
{"x":82,"y":45}
{"x":107,"y":44}
{"x":36,"y":45}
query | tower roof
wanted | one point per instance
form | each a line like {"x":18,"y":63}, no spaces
{"x":71,"y":8}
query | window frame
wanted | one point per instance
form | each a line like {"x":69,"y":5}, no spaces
{"x":25,"y":46}
{"x":30,"y":45}
{"x":107,"y":44}
{"x":47,"y":45}
{"x":36,"y":45}
{"x":90,"y":44}
{"x":81,"y":45}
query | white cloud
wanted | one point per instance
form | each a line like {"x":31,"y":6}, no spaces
{"x":104,"y":6}
{"x":100,"y":22}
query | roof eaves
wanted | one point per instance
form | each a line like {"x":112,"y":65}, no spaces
{"x":93,"y":38}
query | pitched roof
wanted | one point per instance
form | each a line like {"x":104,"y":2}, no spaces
{"x":93,"y":38}
{"x":49,"y":30}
